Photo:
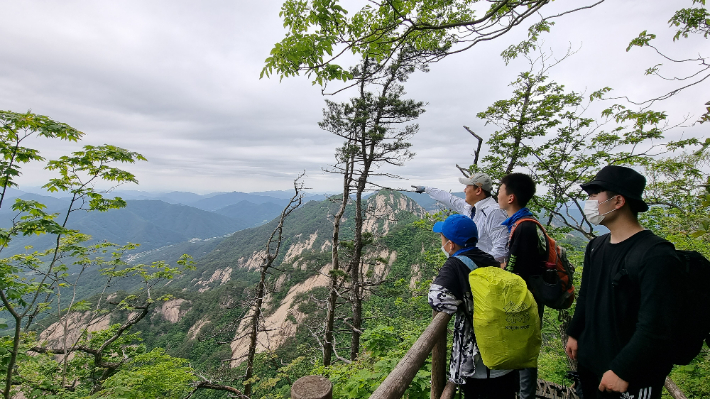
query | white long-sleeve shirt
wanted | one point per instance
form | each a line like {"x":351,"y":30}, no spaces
{"x":492,"y":236}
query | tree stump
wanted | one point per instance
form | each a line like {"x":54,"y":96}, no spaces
{"x":312,"y":387}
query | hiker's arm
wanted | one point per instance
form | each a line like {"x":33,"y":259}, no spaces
{"x":499,"y":234}
{"x":449,"y":200}
{"x":442,"y":300}
{"x":648,"y":347}
{"x":571,"y":348}
{"x":445,"y":291}
{"x":576,"y":325}
{"x":612,"y":383}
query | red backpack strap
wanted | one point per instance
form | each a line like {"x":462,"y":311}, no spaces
{"x":517,"y":222}
{"x":551,"y":251}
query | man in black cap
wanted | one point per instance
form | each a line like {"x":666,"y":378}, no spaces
{"x":622,"y":330}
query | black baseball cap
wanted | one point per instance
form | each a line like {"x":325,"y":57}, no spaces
{"x":623,"y":181}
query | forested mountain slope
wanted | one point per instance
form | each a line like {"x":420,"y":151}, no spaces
{"x":209,"y":303}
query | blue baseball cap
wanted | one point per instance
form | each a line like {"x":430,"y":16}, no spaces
{"x":461,"y":230}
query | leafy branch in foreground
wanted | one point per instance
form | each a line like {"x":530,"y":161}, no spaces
{"x":35,"y":283}
{"x":320,"y":32}
{"x":90,"y":361}
{"x":695,"y":21}
{"x":542,"y":128}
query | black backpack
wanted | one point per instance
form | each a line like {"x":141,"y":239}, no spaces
{"x":694,"y":328}
{"x":696,"y":307}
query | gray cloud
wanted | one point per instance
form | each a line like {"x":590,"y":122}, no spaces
{"x":178,"y":82}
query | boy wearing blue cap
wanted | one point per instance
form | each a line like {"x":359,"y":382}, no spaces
{"x":450,"y":292}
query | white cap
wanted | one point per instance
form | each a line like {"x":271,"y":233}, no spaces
{"x":478,"y":179}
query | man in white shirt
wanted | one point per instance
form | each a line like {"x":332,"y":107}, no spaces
{"x":480,"y":206}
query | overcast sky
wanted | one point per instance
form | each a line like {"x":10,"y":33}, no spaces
{"x":179,"y":82}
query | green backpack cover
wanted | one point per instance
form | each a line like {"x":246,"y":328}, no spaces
{"x":505,"y":319}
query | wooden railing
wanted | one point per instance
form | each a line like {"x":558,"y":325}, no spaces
{"x":433,"y":340}
{"x":398,"y":380}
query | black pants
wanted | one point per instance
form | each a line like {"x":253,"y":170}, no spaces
{"x":504,"y":387}
{"x":590,"y":388}
{"x":528,"y":377}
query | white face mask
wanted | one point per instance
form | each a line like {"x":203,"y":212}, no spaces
{"x":591,"y":211}
{"x":444,"y":250}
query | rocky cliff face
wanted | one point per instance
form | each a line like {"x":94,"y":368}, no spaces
{"x":384,"y":210}
{"x":71,"y":327}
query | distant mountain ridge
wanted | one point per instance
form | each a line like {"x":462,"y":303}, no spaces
{"x":166,"y":219}
{"x":184,"y":197}
{"x":428,"y":203}
{"x":153,"y":223}
{"x":226,"y":199}
{"x":250,"y":213}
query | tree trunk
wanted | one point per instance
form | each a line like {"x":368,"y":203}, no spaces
{"x":515,"y":153}
{"x":13,"y":354}
{"x":255,"y":329}
{"x":333,"y":297}
{"x":366,"y":154}
{"x":355,"y":263}
{"x":673,"y":389}
{"x":312,"y":387}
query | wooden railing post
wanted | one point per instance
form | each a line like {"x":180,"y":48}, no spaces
{"x":449,"y":391}
{"x":399,"y":379}
{"x":312,"y":387}
{"x":438,"y":365}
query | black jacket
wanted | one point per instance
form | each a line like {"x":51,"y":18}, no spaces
{"x":625,"y":311}
{"x":528,"y":251}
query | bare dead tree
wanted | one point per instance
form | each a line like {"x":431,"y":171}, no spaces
{"x":477,"y":152}
{"x":250,"y":323}
{"x":271,"y":252}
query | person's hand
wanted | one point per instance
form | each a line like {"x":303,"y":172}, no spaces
{"x":419,"y":189}
{"x":571,"y":348}
{"x":613,"y":383}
